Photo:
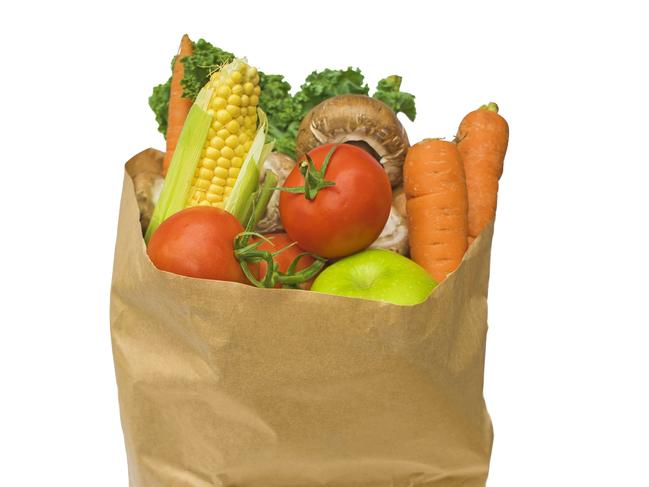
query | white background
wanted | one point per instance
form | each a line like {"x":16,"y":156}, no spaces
{"x":567,"y":362}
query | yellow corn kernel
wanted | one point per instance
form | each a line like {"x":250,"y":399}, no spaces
{"x":233,"y":110}
{"x":233,"y":126}
{"x":205,"y":174}
{"x":237,"y":90}
{"x":223,"y":162}
{"x":223,"y":133}
{"x":217,"y":142}
{"x":245,"y":100}
{"x":227,"y":151}
{"x":213,"y":197}
{"x":240,"y":151}
{"x":208,"y":163}
{"x":254,"y":100}
{"x":232,"y":142}
{"x":223,"y":116}
{"x":212,"y":153}
{"x":221,"y":172}
{"x":203,"y":184}
{"x":248,"y":88}
{"x":229,"y":183}
{"x":219,"y":103}
{"x":236,"y":77}
{"x":236,"y":162}
{"x":218,"y":181}
{"x":228,"y":190}
{"x":216,"y":189}
{"x":234,"y":172}
{"x":219,"y":204}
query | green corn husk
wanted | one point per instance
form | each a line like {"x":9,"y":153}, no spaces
{"x":248,"y":179}
{"x":173,"y":197}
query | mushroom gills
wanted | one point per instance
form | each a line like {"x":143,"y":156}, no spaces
{"x":358,"y":138}
{"x":394,"y":235}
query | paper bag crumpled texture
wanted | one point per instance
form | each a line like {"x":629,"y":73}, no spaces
{"x":222,"y":384}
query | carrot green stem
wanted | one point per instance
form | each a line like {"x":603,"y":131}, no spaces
{"x":491,"y":107}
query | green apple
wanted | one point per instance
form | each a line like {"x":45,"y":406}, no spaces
{"x":379,"y":275}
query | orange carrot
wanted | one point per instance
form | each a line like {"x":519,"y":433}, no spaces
{"x":436,"y":206}
{"x":178,"y":105}
{"x":482,"y":141}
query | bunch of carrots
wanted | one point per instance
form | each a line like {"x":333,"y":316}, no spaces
{"x":452,"y":188}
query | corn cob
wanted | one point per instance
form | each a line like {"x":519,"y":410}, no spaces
{"x":233,"y":108}
{"x":220,"y":149}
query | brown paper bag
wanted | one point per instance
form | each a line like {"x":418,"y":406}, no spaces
{"x":222,"y":384}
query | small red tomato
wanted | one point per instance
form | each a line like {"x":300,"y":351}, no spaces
{"x":198,"y":242}
{"x":278,"y":241}
{"x":344,"y":218}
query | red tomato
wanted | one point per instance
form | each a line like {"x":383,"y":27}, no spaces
{"x":198,"y":242}
{"x":279,"y":241}
{"x":344,"y":218}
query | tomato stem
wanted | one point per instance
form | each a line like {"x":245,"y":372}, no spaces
{"x":314,"y":179}
{"x":248,"y":253}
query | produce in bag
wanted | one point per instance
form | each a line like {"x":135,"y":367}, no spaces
{"x":371,"y":377}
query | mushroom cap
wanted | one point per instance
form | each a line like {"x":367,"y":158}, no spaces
{"x":356,"y":118}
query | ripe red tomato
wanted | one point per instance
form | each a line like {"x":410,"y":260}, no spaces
{"x":344,"y":218}
{"x":286,"y":258}
{"x":198,"y":242}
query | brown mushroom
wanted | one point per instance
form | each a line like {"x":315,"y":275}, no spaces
{"x":281,"y":165}
{"x":360,"y":120}
{"x":395,"y":233}
{"x":145,"y":169}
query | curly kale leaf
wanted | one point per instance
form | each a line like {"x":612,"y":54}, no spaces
{"x":159,"y":103}
{"x":388,"y":91}
{"x":321,"y":85}
{"x":205,"y":59}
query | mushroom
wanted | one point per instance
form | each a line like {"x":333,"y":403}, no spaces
{"x":145,"y":169}
{"x":359,"y":120}
{"x":395,"y":232}
{"x":281,"y":165}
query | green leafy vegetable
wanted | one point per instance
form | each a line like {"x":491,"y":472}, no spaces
{"x":388,"y":91}
{"x":204,"y":60}
{"x":285,"y":112}
{"x":321,"y":85}
{"x":159,"y":103}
